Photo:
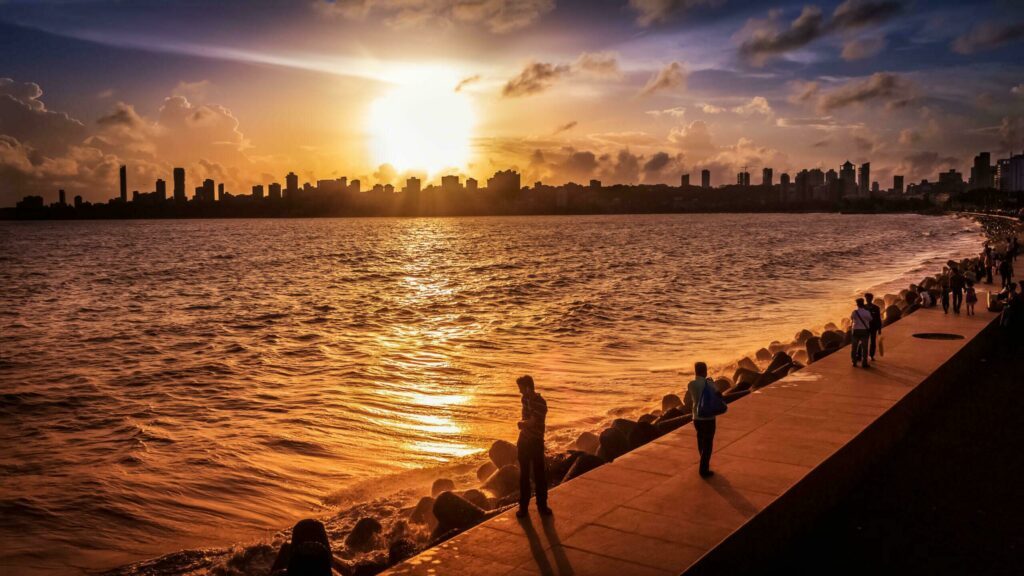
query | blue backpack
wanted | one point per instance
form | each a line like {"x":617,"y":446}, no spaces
{"x":711,"y":403}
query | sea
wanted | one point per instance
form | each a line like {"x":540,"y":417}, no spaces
{"x":189,"y":387}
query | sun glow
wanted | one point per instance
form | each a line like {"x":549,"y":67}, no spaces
{"x":422,"y":124}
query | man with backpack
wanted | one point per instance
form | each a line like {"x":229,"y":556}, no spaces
{"x":706,"y":405}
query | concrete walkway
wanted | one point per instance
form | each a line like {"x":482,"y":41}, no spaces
{"x":782,"y":455}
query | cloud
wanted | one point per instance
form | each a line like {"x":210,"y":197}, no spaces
{"x":711,"y":109}
{"x":499,"y":16}
{"x":565,"y":127}
{"x":194,"y":91}
{"x":862,"y":48}
{"x":987,"y":36}
{"x":659,"y":11}
{"x":598,"y":64}
{"x":694,"y":139}
{"x":1017,"y":90}
{"x":757,"y":105}
{"x":634,"y":138}
{"x":466,"y":82}
{"x":676,"y":112}
{"x":104,"y":94}
{"x":765,"y":38}
{"x":884,"y":86}
{"x":1011,"y":132}
{"x":673,"y":75}
{"x":534,"y":78}
{"x":925,"y":164}
{"x":909,"y":137}
{"x":537,"y":77}
{"x":804,"y":91}
{"x":622,"y":168}
{"x":24,"y":117}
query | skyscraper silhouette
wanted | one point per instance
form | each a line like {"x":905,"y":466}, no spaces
{"x":161,"y":190}
{"x":179,"y":185}
{"x":705,"y":178}
{"x":291,"y":185}
{"x":864,"y":180}
{"x":124,"y":183}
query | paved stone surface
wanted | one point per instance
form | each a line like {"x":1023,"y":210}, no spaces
{"x":650,"y":513}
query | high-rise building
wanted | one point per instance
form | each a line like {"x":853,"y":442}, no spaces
{"x":1010,"y":174}
{"x":875,"y":188}
{"x":848,"y":177}
{"x":179,"y":185}
{"x":705,"y":178}
{"x":595,"y":184}
{"x":208,"y":190}
{"x":684,"y":181}
{"x":743,"y":178}
{"x":355,"y":187}
{"x":784,"y":187}
{"x":504,"y":181}
{"x":897,"y":184}
{"x":161,"y":190}
{"x":257,"y":191}
{"x":220,"y":191}
{"x":450,"y":183}
{"x":412,"y":185}
{"x":274,"y":191}
{"x":982,"y":175}
{"x":864,"y":179}
{"x":472,"y":185}
{"x":61,"y":198}
{"x":831,"y":177}
{"x":291,"y":185}
{"x":766,"y":177}
{"x":78,"y":202}
{"x":124,"y":183}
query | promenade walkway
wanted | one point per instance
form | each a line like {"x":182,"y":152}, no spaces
{"x":782,"y":455}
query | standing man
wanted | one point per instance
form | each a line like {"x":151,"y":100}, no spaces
{"x":861,"y":324}
{"x":876,"y":323}
{"x":531,"y":448}
{"x":956,"y":285}
{"x":704,"y":425}
{"x":944,"y":286}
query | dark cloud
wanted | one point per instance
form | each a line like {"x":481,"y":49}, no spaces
{"x":534,"y":78}
{"x":925,"y":164}
{"x":987,"y":36}
{"x":862,"y":48}
{"x":1011,"y":132}
{"x":658,"y":11}
{"x":767,"y":38}
{"x":498,"y":16}
{"x":882,"y":86}
{"x":671,"y":76}
{"x":122,"y":115}
{"x":598,"y":64}
{"x":466,"y":82}
{"x":622,"y":168}
{"x":565,"y":127}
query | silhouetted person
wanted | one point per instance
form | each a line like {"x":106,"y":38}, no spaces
{"x":970,"y":298}
{"x":531,"y":448}
{"x":944,"y":287}
{"x":308,"y":553}
{"x":704,"y":425}
{"x":1006,"y":271}
{"x":956,"y":286}
{"x":876,"y":323}
{"x":988,"y":263}
{"x":861,"y":328}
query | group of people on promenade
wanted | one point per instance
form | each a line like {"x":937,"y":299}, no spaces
{"x":865,"y":330}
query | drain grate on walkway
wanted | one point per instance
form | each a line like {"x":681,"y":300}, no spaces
{"x":938,"y":336}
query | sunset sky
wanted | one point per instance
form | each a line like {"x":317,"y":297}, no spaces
{"x":621,"y":90}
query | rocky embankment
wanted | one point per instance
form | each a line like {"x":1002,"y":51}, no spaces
{"x":369,"y":538}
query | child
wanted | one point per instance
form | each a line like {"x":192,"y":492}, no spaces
{"x":971,"y":298}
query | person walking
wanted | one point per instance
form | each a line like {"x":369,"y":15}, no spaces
{"x":861,"y":325}
{"x":531,"y":448}
{"x":956,"y":286}
{"x":705,"y":404}
{"x":1005,"y":271}
{"x":876,"y":323}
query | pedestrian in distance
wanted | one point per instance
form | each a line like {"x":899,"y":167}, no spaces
{"x":706,"y":404}
{"x":860,"y":321}
{"x":876,"y":323}
{"x":971,"y":298}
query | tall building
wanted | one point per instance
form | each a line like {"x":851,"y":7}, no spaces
{"x":784,"y":187}
{"x":450,"y":183}
{"x":472,"y":185}
{"x":982,"y":175}
{"x":355,"y":186}
{"x":897,"y":184}
{"x":875,"y":188}
{"x":257,"y":191}
{"x":179,"y":185}
{"x":595,"y":184}
{"x":124,"y":183}
{"x":274,"y":191}
{"x":220,"y":191}
{"x":291,"y":185}
{"x":705,"y":178}
{"x":504,"y":181}
{"x":743,"y":179}
{"x":208,"y":190}
{"x":848,"y":178}
{"x":684,"y":181}
{"x":412,"y":185}
{"x":161,"y":190}
{"x":61,"y":198}
{"x":1010,"y":174}
{"x":78,"y":202}
{"x":766,"y":177}
{"x":864,"y":179}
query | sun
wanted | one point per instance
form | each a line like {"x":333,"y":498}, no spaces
{"x":422,"y":125}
